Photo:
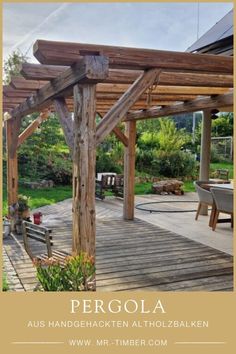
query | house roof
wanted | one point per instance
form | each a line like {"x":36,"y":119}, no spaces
{"x":221,"y":30}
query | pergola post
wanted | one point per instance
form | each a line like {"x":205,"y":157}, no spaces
{"x":205,"y":151}
{"x":129,"y":170}
{"x":12,"y":166}
{"x":84,"y":161}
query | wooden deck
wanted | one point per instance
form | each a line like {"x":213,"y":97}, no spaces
{"x":132,"y":255}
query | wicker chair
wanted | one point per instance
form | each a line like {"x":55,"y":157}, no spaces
{"x":224,"y":204}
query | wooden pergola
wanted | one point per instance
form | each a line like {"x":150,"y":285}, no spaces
{"x":121,"y":85}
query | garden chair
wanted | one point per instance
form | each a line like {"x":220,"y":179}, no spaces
{"x":224,"y":204}
{"x":222,"y":174}
{"x":109,"y":182}
{"x":205,"y":198}
{"x":40,"y":235}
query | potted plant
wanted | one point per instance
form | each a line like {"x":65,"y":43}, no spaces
{"x":19,"y":212}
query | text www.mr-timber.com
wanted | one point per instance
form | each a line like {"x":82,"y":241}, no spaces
{"x":152,"y":342}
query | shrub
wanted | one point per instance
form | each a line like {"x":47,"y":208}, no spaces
{"x":174,"y":164}
{"x":77,"y":274}
{"x":105,"y":163}
{"x":5,"y":286}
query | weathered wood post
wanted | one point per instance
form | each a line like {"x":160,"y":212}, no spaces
{"x":84,"y":160}
{"x":129,"y":170}
{"x":84,"y":156}
{"x":205,"y":152}
{"x":12,"y":166}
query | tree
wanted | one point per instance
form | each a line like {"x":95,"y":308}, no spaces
{"x":12,"y":65}
{"x":223,"y":125}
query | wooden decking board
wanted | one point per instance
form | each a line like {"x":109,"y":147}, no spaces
{"x":101,"y":275}
{"x":133,"y":255}
{"x":145,"y":283}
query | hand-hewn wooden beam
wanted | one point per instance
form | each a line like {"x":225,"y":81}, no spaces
{"x":118,"y":133}
{"x":65,"y":119}
{"x":19,"y":83}
{"x":129,"y":171}
{"x":127,"y":100}
{"x":49,"y":72}
{"x":41,"y":72}
{"x":12,"y":165}
{"x":90,"y":69}
{"x":84,"y":160}
{"x":161,"y":90}
{"x":190,"y":106}
{"x":14,"y":136}
{"x":145,"y":97}
{"x":9,"y":91}
{"x":32,"y":127}
{"x":64,"y":53}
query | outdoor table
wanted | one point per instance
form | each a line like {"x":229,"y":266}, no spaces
{"x":225,"y":186}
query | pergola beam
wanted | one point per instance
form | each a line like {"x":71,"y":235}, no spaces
{"x":90,"y":69}
{"x":48,"y":72}
{"x":160,"y":89}
{"x":190,"y":106}
{"x":64,"y":53}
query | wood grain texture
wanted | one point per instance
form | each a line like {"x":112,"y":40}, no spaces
{"x":90,"y":69}
{"x":190,"y":106}
{"x":117,"y":131}
{"x":129,"y":171}
{"x":84,"y":160}
{"x":32,"y":127}
{"x":63,"y":53}
{"x":127,"y":100}
{"x":48,"y":72}
{"x":12,"y":166}
{"x":66,"y":122}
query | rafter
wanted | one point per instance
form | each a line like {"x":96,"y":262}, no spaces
{"x":49,"y":72}
{"x":90,"y":69}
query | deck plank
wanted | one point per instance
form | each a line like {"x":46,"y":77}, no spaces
{"x":132,"y":255}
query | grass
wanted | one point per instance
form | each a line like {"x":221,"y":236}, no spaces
{"x":223,"y":166}
{"x":5,"y":286}
{"x":41,"y":197}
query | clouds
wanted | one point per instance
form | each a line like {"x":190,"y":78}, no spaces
{"x":170,"y":26}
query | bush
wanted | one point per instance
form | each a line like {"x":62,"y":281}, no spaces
{"x":77,"y":274}
{"x":5,"y":286}
{"x":215,"y":156}
{"x":105,"y":163}
{"x":174,"y":164}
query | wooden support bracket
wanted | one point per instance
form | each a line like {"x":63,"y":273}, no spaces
{"x":32,"y":127}
{"x":66,"y":122}
{"x":127,"y":100}
{"x":118,"y":133}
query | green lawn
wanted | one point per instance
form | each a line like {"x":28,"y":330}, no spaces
{"x":41,"y":197}
{"x":223,"y":166}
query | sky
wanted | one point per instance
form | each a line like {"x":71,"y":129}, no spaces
{"x":167,"y":26}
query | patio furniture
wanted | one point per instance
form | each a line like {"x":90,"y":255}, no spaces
{"x":223,"y":199}
{"x":222,"y":174}
{"x":110,"y":182}
{"x":205,"y":198}
{"x":42,"y":235}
